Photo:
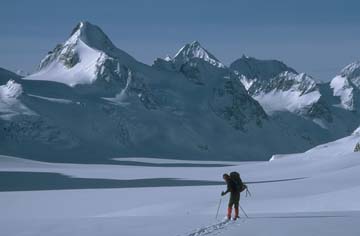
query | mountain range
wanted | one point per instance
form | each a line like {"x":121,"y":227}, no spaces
{"x":90,"y":101}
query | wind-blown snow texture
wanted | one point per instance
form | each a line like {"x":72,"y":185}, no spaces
{"x":90,"y":101}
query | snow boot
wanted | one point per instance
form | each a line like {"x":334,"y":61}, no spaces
{"x":229,"y":213}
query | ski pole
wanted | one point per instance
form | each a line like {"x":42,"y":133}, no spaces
{"x":217,"y":212}
{"x":243,"y":211}
{"x":247,"y":192}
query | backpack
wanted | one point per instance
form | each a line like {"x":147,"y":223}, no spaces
{"x":235,"y":177}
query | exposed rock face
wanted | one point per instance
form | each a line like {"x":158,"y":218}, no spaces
{"x":357,"y":148}
{"x":255,"y":69}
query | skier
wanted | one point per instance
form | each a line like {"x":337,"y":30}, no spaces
{"x":234,"y":191}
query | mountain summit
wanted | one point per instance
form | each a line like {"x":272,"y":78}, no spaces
{"x":195,"y":50}
{"x":253,"y":68}
{"x":279,"y":88}
{"x":195,"y":62}
{"x":91,"y":35}
{"x":81,"y":58}
{"x":346,"y":86}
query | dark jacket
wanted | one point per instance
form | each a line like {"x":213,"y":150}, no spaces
{"x":231,"y":187}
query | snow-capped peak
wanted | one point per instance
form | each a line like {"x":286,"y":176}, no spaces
{"x":91,"y":35}
{"x":346,"y":84}
{"x":276,"y":86}
{"x":83,"y":58}
{"x":86,"y":40}
{"x":352,"y":70}
{"x":195,"y":50}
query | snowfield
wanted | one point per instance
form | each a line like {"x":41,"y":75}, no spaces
{"x":82,"y":73}
{"x":286,"y":101}
{"x":311,"y":193}
{"x":341,"y":88}
{"x":301,"y":95}
{"x":10,"y":105}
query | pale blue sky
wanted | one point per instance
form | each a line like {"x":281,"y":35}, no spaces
{"x":317,"y":37}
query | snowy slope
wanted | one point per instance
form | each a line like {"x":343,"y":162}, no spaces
{"x":195,"y":50}
{"x":286,"y":92}
{"x":300,"y":193}
{"x":279,"y":88}
{"x":347,"y":86}
{"x":73,"y":62}
{"x":81,"y":59}
{"x":10,"y":105}
{"x":276,"y":86}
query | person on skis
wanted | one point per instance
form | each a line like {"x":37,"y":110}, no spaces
{"x":234,"y":191}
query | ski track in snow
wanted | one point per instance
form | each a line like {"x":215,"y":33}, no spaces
{"x":222,"y":226}
{"x":207,"y":230}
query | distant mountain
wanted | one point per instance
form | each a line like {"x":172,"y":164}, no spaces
{"x":189,"y":60}
{"x":255,"y":69}
{"x":194,"y":51}
{"x":346,"y":86}
{"x":228,"y":98}
{"x":278,"y":87}
{"x":87,"y":57}
{"x":90,"y":101}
